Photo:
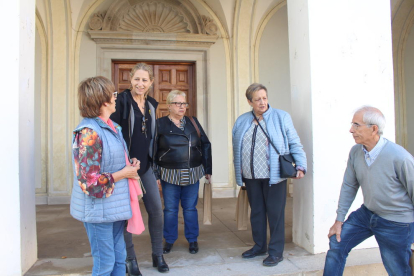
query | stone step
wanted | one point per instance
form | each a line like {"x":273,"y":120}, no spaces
{"x":225,"y":262}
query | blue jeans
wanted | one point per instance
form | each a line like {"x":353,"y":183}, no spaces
{"x":189,"y":196}
{"x":108,"y":247}
{"x":394,"y":241}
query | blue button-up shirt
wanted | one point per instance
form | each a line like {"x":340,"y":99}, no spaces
{"x":370,"y":156}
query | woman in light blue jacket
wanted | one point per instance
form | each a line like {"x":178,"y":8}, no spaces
{"x":256,"y":163}
{"x":100,"y":194}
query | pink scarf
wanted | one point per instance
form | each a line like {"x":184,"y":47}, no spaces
{"x":135,"y":223}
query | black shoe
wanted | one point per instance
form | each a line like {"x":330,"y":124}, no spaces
{"x":272,"y":260}
{"x":167,"y":247}
{"x":159,"y":263}
{"x":251,"y":253}
{"x":132,"y":267}
{"x":193,"y":247}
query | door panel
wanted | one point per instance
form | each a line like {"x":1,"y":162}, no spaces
{"x":167,"y":76}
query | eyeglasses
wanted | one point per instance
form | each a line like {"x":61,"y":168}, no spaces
{"x":178,"y":104}
{"x":356,"y":125}
{"x":115,"y":94}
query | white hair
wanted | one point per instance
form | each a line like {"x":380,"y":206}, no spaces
{"x":372,"y":116}
{"x":173,"y":94}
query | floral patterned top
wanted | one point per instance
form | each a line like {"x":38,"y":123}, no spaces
{"x":87,"y":152}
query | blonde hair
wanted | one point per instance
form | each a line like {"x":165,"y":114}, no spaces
{"x":173,"y":94}
{"x":144,"y":67}
{"x":92,"y":94}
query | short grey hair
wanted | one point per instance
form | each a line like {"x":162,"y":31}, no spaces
{"x":254,"y":87}
{"x":372,"y":116}
{"x":173,"y":94}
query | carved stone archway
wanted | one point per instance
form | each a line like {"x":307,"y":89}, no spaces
{"x":162,"y":22}
{"x":402,"y":23}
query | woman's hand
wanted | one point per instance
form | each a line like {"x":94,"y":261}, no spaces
{"x":208,"y":177}
{"x":299,"y":174}
{"x":135,"y":163}
{"x":126,"y":172}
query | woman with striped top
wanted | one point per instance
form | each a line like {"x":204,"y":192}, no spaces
{"x":182,"y":157}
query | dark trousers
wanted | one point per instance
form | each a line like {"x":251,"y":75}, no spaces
{"x":152,"y":202}
{"x":267,"y":203}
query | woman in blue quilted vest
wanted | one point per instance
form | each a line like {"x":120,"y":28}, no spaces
{"x":100,"y":195}
{"x":256,"y":163}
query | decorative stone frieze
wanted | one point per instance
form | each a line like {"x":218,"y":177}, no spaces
{"x":209,"y":25}
{"x":96,"y":21}
{"x":160,"y":22}
{"x":154,"y":17}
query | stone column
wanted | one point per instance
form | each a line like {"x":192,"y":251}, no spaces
{"x":244,"y":11}
{"x":340,"y":59}
{"x":17,"y":204}
{"x":61,"y":105}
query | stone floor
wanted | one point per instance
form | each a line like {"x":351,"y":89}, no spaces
{"x":63,"y":248}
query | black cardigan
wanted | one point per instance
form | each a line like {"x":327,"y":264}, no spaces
{"x":138,"y":143}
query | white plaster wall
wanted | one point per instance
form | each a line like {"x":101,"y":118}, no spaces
{"x":409,"y":89}
{"x":219,"y":7}
{"x":17,"y":209}
{"x":78,"y":8}
{"x":274,"y":60}
{"x":261,"y":9}
{"x":352,"y":67}
{"x":331,"y":76}
{"x":87,"y":59}
{"x":228,"y":7}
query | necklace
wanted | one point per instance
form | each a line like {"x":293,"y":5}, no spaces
{"x":179,"y":124}
{"x":141,"y":104}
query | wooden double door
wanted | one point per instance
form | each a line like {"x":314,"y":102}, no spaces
{"x":167,"y":76}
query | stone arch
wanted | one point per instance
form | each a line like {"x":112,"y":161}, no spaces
{"x":402,"y":23}
{"x":41,"y":106}
{"x":258,"y":37}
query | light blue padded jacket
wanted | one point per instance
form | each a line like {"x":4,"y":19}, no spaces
{"x":279,"y":127}
{"x":107,"y":209}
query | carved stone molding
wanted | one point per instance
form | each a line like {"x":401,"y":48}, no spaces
{"x":96,"y":21}
{"x":164,"y":39}
{"x":154,"y":17}
{"x":174,"y":22}
{"x":209,"y":25}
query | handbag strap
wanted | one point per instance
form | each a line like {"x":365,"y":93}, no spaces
{"x":195,"y":125}
{"x":268,"y":138}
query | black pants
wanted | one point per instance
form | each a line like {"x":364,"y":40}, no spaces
{"x":267,"y":203}
{"x":153,"y":206}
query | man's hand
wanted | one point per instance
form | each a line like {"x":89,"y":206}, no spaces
{"x":336,"y":230}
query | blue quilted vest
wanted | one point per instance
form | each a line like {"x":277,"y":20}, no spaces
{"x":116,"y":207}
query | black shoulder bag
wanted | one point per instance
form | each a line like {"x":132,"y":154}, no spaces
{"x":286,"y":162}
